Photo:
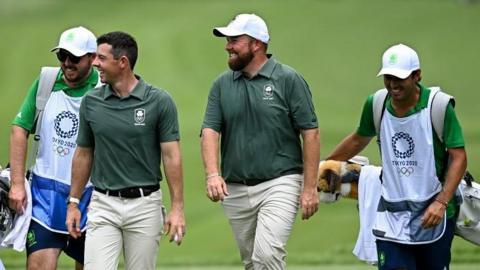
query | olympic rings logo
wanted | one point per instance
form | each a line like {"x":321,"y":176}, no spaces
{"x":62,"y":117}
{"x":399,"y":138}
{"x":61,"y":151}
{"x":406,"y":171}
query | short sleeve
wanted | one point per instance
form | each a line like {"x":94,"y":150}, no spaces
{"x":452,"y":132}
{"x":25,"y":118}
{"x":85,"y":134}
{"x":168,"y":120}
{"x":301,"y":105}
{"x":366,"y":126}
{"x":213,"y":112}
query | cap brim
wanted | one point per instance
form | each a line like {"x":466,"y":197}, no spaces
{"x":399,"y":73}
{"x":226,"y":32}
{"x":71,"y":50}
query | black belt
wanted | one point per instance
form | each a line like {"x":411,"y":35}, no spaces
{"x":254,"y":182}
{"x":130,"y":192}
{"x":249,"y":182}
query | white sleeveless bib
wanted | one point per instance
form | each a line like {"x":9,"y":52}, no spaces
{"x":58,"y":137}
{"x":409,"y":180}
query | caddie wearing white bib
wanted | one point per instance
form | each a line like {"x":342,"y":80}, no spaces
{"x":410,"y":157}
{"x":50,"y":178}
{"x":414,"y":224}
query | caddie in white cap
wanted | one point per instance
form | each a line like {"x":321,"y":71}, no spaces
{"x":74,"y":44}
{"x":58,"y":92}
{"x":423,"y":161}
{"x":78,"y":41}
{"x":260,"y":108}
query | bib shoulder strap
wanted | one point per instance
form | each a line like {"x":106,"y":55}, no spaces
{"x":48,"y":76}
{"x":379,"y":99}
{"x":439,"y":105}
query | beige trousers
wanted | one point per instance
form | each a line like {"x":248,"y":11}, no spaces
{"x":118,"y":224}
{"x":262,"y":218}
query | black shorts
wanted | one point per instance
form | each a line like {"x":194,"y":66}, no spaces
{"x":39,"y":238}
{"x":433,"y":256}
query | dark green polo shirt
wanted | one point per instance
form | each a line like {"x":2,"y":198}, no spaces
{"x":452,"y":131}
{"x":126,"y":134}
{"x":259,"y":120}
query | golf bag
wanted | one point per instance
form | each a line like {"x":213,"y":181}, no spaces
{"x":341,"y":179}
{"x":468,"y":221}
{"x":7,"y":215}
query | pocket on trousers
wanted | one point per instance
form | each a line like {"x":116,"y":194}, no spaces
{"x":155,"y":197}
{"x":94,"y":197}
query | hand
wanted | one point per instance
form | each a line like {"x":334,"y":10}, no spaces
{"x":73,"y":220}
{"x":216,"y":188}
{"x":17,"y":197}
{"x":175,"y":225}
{"x":309,"y":202}
{"x":433,"y":215}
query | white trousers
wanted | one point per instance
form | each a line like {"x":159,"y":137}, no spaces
{"x":262,"y":218}
{"x":118,"y":224}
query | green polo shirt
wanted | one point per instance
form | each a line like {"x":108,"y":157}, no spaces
{"x":126,"y":134}
{"x":25,"y":118}
{"x":452,"y":132}
{"x":260,"y":120}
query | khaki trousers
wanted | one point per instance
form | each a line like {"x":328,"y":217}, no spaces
{"x":262,"y":218}
{"x":118,"y":224}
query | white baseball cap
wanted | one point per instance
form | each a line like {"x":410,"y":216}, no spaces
{"x":399,"y":61}
{"x":245,"y":24}
{"x":78,"y":41}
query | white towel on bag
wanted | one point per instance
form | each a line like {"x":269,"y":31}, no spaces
{"x":369,"y":187}
{"x":17,"y":237}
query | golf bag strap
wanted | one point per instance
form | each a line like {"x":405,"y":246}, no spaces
{"x":48,"y":76}
{"x":468,"y":178}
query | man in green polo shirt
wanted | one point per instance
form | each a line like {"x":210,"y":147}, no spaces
{"x":126,"y":127}
{"x":415,"y":219}
{"x":50,"y":178}
{"x":260,"y":109}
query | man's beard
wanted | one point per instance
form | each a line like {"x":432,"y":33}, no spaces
{"x":79,"y":74}
{"x":240,"y":62}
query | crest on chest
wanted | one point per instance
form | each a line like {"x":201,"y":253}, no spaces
{"x":268,"y":90}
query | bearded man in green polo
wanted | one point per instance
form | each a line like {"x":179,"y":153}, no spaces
{"x":260,"y":109}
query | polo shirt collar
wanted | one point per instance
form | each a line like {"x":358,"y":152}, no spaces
{"x":424,"y":96}
{"x":266,"y":71}
{"x":138,"y":91}
{"x":422,"y":102}
{"x":90,"y":82}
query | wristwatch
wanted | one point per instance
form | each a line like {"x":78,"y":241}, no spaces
{"x":73,"y":200}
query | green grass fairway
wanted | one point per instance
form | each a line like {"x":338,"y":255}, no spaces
{"x":290,"y":267}
{"x":336,"y":45}
{"x":329,"y":267}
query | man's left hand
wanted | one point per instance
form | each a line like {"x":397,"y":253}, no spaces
{"x":73,"y":220}
{"x":433,"y":215}
{"x":309,"y":202}
{"x":175,"y":226}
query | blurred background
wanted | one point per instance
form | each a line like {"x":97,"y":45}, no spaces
{"x":336,"y":45}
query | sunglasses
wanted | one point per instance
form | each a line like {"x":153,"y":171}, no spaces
{"x":62,"y":56}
